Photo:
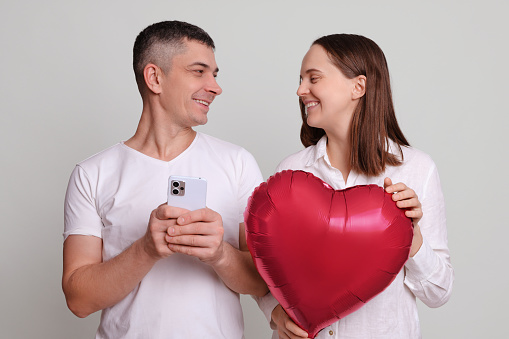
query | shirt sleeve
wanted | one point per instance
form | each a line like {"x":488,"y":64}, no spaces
{"x":80,"y":213}
{"x":267,"y":303}
{"x":281,"y":167}
{"x":429,"y":273}
{"x":250,"y":178}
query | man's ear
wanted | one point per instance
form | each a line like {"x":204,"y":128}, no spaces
{"x":359,"y":88}
{"x":152,"y":76}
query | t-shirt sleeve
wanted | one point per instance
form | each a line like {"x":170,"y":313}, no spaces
{"x":80,"y":212}
{"x":250,"y":177}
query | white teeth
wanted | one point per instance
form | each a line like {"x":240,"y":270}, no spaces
{"x":201,"y":102}
{"x":311,"y":104}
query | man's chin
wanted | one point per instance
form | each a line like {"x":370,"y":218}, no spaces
{"x":201,"y":121}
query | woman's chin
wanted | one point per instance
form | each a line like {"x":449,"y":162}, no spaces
{"x":313,"y":123}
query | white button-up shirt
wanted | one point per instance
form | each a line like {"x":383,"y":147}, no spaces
{"x":428,"y":275}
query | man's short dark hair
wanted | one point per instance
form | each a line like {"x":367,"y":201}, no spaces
{"x":159,"y":42}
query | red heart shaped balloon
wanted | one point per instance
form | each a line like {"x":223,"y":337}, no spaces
{"x":324,"y":253}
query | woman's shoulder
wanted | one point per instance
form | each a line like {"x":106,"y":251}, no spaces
{"x":414,"y":155}
{"x":297,"y":160}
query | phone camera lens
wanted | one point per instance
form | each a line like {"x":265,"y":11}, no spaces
{"x":175,"y":191}
{"x":175,"y":184}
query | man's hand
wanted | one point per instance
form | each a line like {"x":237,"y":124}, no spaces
{"x":154,"y":241}
{"x":198,"y":233}
{"x":407,"y":199}
{"x":90,"y":284}
{"x":286,"y":328}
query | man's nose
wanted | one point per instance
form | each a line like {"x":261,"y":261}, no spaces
{"x":214,"y":87}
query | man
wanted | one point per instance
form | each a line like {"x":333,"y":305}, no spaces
{"x":159,"y":271}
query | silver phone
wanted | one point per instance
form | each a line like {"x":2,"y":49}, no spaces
{"x":187,"y":192}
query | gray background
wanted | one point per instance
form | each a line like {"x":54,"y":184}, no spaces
{"x":67,"y":91}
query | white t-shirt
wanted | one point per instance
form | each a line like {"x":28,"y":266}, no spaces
{"x":428,"y":275}
{"x":111,"y":196}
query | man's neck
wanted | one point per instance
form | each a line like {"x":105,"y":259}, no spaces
{"x":162,"y":140}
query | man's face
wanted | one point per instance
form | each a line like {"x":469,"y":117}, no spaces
{"x":190,"y":85}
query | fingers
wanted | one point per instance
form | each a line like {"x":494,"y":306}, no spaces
{"x":401,"y":192}
{"x":395,"y":187}
{"x":409,"y":203}
{"x":203,"y":214}
{"x":406,"y":199}
{"x":198,"y":233}
{"x":293,"y":330}
{"x":198,"y":228}
{"x":414,"y":214}
{"x":164,"y":212}
{"x":282,"y":335}
{"x":285,"y":325}
{"x":159,"y":225}
{"x":206,"y":254}
{"x":209,"y":249}
{"x":173,"y":229}
{"x":154,"y":241}
{"x":408,"y":193}
{"x":199,"y":222}
{"x":387,"y":183}
{"x":189,"y":240}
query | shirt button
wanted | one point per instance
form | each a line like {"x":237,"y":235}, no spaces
{"x":331,"y":332}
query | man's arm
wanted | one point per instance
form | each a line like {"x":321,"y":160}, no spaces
{"x":200,"y":233}
{"x":91,"y":285}
{"x":238,"y":271}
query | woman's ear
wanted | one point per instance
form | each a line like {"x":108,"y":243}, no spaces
{"x":359,"y":87}
{"x":152,"y":76}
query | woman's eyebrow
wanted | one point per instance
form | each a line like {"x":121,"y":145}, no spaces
{"x":312,"y":70}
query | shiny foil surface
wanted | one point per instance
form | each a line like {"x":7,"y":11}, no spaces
{"x":324,"y":253}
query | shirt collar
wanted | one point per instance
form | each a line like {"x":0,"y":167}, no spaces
{"x":319,"y":151}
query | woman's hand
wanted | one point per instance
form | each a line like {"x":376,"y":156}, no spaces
{"x":286,"y":328}
{"x":407,"y":199}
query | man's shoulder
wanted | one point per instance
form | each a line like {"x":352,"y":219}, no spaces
{"x":219,"y":144}
{"x":227,"y":155}
{"x":106,"y":156}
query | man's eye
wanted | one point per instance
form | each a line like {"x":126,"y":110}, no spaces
{"x":313,"y":79}
{"x":200,"y":71}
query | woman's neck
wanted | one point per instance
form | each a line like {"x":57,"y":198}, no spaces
{"x":338,"y":151}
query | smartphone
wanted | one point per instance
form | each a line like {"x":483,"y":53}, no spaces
{"x":187,"y":192}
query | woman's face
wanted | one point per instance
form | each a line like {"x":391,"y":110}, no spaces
{"x":329,"y":97}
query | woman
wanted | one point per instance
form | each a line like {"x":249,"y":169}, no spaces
{"x":352,"y":137}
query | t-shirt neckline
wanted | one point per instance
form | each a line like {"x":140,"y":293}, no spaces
{"x":143,"y":155}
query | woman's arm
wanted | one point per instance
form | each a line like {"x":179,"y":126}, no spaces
{"x":406,"y":198}
{"x":428,"y":271}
